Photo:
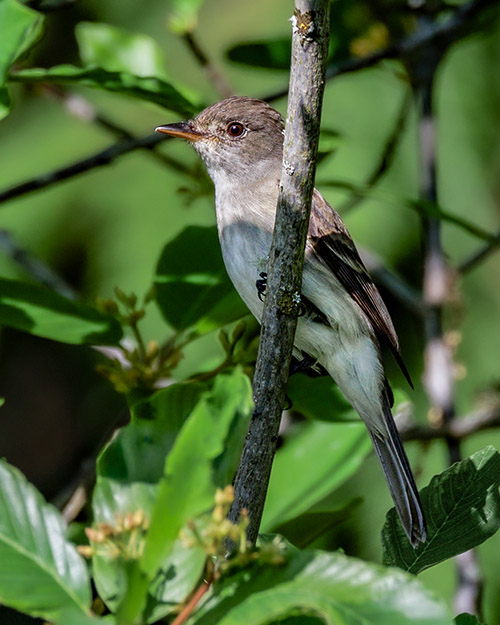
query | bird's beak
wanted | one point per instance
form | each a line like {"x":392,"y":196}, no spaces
{"x":184,"y":130}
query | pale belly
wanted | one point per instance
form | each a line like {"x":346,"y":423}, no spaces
{"x":344,"y":346}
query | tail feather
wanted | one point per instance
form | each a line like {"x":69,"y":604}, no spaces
{"x":400,"y":479}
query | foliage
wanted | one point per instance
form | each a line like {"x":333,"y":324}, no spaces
{"x":157,"y":540}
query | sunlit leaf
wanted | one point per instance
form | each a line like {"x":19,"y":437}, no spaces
{"x":316,"y":460}
{"x":41,"y":573}
{"x":184,"y":15}
{"x":117,"y":50}
{"x":338,"y":589}
{"x":149,"y":89}
{"x":19,"y":28}
{"x":42,"y":312}
{"x":462,"y":508}
{"x":188,"y":487}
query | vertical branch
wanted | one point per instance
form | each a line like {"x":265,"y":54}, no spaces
{"x":438,"y":359}
{"x":307,"y":78}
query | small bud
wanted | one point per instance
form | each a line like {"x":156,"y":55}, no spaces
{"x":85,"y":550}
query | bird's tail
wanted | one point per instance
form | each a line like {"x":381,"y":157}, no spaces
{"x":400,"y":479}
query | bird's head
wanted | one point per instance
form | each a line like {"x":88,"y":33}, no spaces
{"x":238,"y":138}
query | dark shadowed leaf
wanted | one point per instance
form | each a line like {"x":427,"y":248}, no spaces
{"x":150,"y":89}
{"x":319,"y":398}
{"x":467,"y":619}
{"x":329,"y":586}
{"x":41,"y":573}
{"x":318,"y":458}
{"x":273,"y":54}
{"x":20,"y":28}
{"x":37,"y":310}
{"x":462,"y":508}
{"x":303,"y":530}
{"x":192,"y":286}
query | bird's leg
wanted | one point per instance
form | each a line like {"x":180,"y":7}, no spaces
{"x":261,"y":285}
{"x":299,"y":366}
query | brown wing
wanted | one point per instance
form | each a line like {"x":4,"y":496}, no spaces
{"x":331,"y":242}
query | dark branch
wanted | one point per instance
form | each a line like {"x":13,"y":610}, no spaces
{"x":479,"y":255}
{"x":286,"y":259}
{"x":100,"y":159}
{"x":215,"y":77}
{"x":441,"y":33}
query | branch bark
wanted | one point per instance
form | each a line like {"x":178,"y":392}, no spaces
{"x":307,"y":79}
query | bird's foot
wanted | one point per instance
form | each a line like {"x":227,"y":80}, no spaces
{"x":261,"y":285}
{"x":299,"y":366}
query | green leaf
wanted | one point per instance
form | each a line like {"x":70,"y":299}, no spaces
{"x":42,"y":312}
{"x":188,"y":487}
{"x":315,"y":461}
{"x":319,"y":398}
{"x":275,"y":54}
{"x":301,"y":531}
{"x":192,"y":288}
{"x":334,"y":587}
{"x":462,"y":508}
{"x":41,"y":573}
{"x":467,"y":619}
{"x":117,"y":50}
{"x":152,"y":430}
{"x":150,"y":89}
{"x":184,"y":16}
{"x":180,"y":571}
{"x":19,"y":28}
{"x":73,"y":617}
{"x":179,"y":575}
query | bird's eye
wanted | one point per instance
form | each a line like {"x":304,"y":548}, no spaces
{"x":235,"y":129}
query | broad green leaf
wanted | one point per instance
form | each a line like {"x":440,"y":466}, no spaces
{"x":73,"y":617}
{"x":275,"y":54}
{"x":112,"y":498}
{"x":192,"y":288}
{"x":188,"y":487}
{"x":179,"y":575}
{"x":184,"y":15}
{"x":467,"y":619}
{"x":179,"y":571}
{"x":303,"y":530}
{"x":462,"y":509}
{"x":19,"y":27}
{"x":150,"y":434}
{"x":150,"y":89}
{"x":319,"y":398}
{"x":37,"y":310}
{"x":117,"y":50}
{"x":331,"y":586}
{"x":318,"y":458}
{"x":41,"y":573}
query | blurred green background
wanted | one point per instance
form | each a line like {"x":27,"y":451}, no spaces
{"x":107,"y":228}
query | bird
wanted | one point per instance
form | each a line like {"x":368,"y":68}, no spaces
{"x":344,"y":321}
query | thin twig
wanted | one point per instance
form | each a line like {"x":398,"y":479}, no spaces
{"x":387,"y":155}
{"x":458,"y":428}
{"x":438,"y":359}
{"x":33,"y":266}
{"x":400,"y":289}
{"x":186,"y":612}
{"x":105,"y":157}
{"x":479,"y":255}
{"x":214,"y":76}
{"x":286,"y":259}
{"x":443,"y":33}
